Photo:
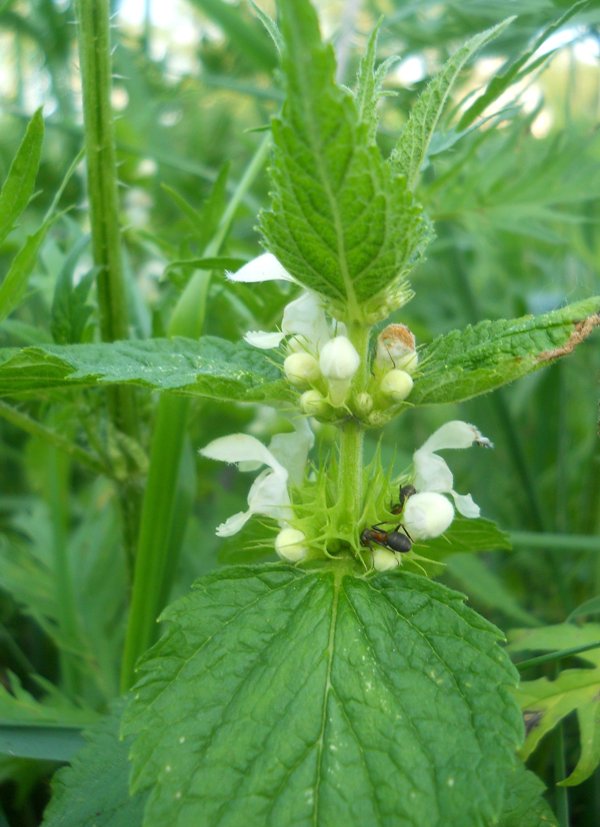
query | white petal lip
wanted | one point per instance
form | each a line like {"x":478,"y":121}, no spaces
{"x":455,"y":434}
{"x":240,"y":448}
{"x":263,"y":339}
{"x":304,"y":317}
{"x":263,"y":268}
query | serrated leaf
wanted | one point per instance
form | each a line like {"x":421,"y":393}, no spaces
{"x":546,"y":702}
{"x":524,"y":805}
{"x":480,"y":358}
{"x":208,"y":367}
{"x":69,"y":312}
{"x":411,"y":150}
{"x":93,"y":791}
{"x":341,"y":221}
{"x":18,"y":186}
{"x":368,"y":84}
{"x":323,"y":698}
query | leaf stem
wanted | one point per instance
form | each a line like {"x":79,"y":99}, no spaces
{"x":556,"y":656}
{"x":93,"y":17}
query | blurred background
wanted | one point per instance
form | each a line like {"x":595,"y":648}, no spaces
{"x":515,"y":205}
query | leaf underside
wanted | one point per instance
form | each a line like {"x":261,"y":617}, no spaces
{"x":282,"y":697}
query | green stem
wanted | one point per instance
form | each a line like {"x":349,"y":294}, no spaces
{"x":556,"y":656}
{"x":93,"y":18}
{"x":155,"y":557}
{"x":35,"y":428}
{"x":561,"y":542}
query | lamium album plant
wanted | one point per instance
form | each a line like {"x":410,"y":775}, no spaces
{"x":338,"y":683}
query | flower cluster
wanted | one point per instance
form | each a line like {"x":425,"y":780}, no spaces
{"x":427,"y":514}
{"x":322,"y":361}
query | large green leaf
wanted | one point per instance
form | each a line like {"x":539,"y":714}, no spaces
{"x":411,"y":150}
{"x":341,"y":221}
{"x":278,"y":696}
{"x":465,"y":363}
{"x":545,"y":703}
{"x":93,"y":792}
{"x":18,"y":186}
{"x":209,"y":367}
{"x":524,"y":805}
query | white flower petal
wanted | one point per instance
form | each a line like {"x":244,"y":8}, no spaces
{"x":240,"y":448}
{"x":269,"y":496}
{"x":431,"y":472}
{"x":291,"y":450}
{"x":384,"y":560}
{"x":304,"y":317}
{"x":427,"y":515}
{"x":465,"y":505}
{"x":455,"y":434}
{"x":262,"y":268}
{"x":233,"y":524}
{"x":263,"y":339}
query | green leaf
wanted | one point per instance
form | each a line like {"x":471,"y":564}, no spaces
{"x":368,"y":85}
{"x":70,"y":312}
{"x":411,"y":150}
{"x":545,"y":703}
{"x":510,"y":71}
{"x":241,"y":32}
{"x":524,"y":805}
{"x":208,"y":367}
{"x":342,"y":222}
{"x":323,"y":698}
{"x":14,"y":283}
{"x":18,"y":186}
{"x":466,"y":363}
{"x":93,"y":791}
{"x":42,"y":743}
{"x":466,"y":535}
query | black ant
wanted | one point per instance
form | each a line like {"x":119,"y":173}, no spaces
{"x":406,"y":491}
{"x":393,"y":540}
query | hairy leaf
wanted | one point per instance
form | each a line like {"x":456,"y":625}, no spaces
{"x":546,"y":702}
{"x":411,"y":150}
{"x":208,"y":367}
{"x":323,"y":698}
{"x":466,"y":363}
{"x":342,"y":222}
{"x":18,"y":186}
{"x":93,"y":791}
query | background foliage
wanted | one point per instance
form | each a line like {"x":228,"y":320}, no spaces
{"x":516,"y":215}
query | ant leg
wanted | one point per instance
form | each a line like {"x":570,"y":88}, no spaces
{"x":404,"y":531}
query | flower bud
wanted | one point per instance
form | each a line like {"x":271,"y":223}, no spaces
{"x":396,"y":349}
{"x":384,"y":560}
{"x":289,"y":545}
{"x":301,"y":369}
{"x":339,"y":362}
{"x":364,"y":403}
{"x":397,"y":384}
{"x":338,"y":359}
{"x":313,"y":403}
{"x":427,"y":515}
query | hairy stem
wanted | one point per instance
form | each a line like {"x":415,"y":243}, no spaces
{"x":93,"y":18}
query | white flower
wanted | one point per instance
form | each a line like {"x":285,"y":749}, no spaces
{"x":396,"y":349}
{"x":339,"y":361}
{"x":301,"y":369}
{"x":268,"y":494}
{"x":427,"y":515}
{"x":431,"y":471}
{"x":303,"y":318}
